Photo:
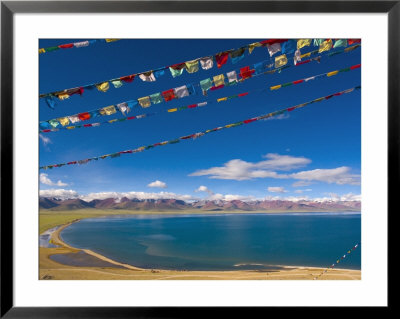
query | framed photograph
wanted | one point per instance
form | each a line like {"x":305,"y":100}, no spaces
{"x":159,"y":156}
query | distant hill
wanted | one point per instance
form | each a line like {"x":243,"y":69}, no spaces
{"x":203,"y":205}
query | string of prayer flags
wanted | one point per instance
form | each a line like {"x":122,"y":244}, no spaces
{"x":338,"y":260}
{"x":80,"y":44}
{"x":199,"y":134}
{"x":177,"y":69}
{"x":327,"y":74}
{"x":186,"y":90}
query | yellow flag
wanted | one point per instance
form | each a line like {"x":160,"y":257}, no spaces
{"x":219,"y":80}
{"x":222,"y":99}
{"x":280,"y":61}
{"x":42,"y":50}
{"x":172,"y":110}
{"x":103,"y":86}
{"x":325,"y":46}
{"x":276,"y":87}
{"x":70,"y":127}
{"x":305,"y":55}
{"x":63,"y":121}
{"x":108,"y":110}
{"x":63,"y":96}
{"x":112,"y":121}
{"x":144,"y":101}
{"x":254,"y":45}
{"x":332,"y":73}
{"x":303,"y":43}
{"x":192,"y":66}
{"x":111,"y":40}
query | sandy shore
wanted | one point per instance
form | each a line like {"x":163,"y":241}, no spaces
{"x":50,"y":269}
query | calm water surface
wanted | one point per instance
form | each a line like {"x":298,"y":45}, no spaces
{"x":222,"y":242}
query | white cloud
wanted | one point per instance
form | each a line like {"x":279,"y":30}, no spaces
{"x":277,"y":190}
{"x":47,"y":181}
{"x":138,"y":195}
{"x":300,"y":191}
{"x":45,"y":139}
{"x":59,"y":193}
{"x":205,"y":189}
{"x":239,"y":170}
{"x":301,"y":183}
{"x":339,"y":175}
{"x":157,"y":184}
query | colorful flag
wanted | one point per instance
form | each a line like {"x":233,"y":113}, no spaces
{"x":219,"y":80}
{"x":147,"y":76}
{"x":301,"y":43}
{"x":103,"y":87}
{"x":207,"y":63}
{"x":144,"y":101}
{"x":221,"y":58}
{"x":192,"y":66}
{"x":280,"y":61}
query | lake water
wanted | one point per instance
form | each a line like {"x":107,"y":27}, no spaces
{"x":222,"y":241}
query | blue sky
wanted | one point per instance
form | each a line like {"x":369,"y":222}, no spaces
{"x":314,"y":151}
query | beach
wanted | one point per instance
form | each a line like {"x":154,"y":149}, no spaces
{"x":84,"y":264}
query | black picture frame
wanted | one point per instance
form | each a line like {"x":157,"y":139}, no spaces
{"x":9,"y":8}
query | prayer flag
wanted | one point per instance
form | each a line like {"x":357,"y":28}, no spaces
{"x":177,"y":69}
{"x":276,"y":87}
{"x":108,"y":110}
{"x":246,"y":73}
{"x":172,"y":110}
{"x":81,"y":44}
{"x":147,"y":76}
{"x":318,"y":42}
{"x":332,"y":73}
{"x":192,"y":66}
{"x":254,"y":45}
{"x":42,"y":51}
{"x":340,"y":43}
{"x":232,"y":77}
{"x":84,"y":116}
{"x":168,"y":95}
{"x":237,"y":55}
{"x":273,"y":48}
{"x":221,"y":58}
{"x":159,"y":72}
{"x":156,"y":98}
{"x":181,"y":91}
{"x":219,"y":80}
{"x":73,"y":118}
{"x":123,"y":107}
{"x":207,"y":63}
{"x":352,"y":41}
{"x":117,"y":83}
{"x":288,"y":46}
{"x":63,"y":121}
{"x":50,"y":101}
{"x":297,"y":57}
{"x":103,"y":86}
{"x":325,"y":46}
{"x":63,"y":96}
{"x":280,"y":60}
{"x":66,"y":46}
{"x":301,"y":43}
{"x":205,"y":85}
{"x":144,"y":101}
{"x":222,"y":99}
{"x":128,"y":78}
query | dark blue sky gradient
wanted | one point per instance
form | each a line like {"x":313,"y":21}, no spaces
{"x":328,"y":133}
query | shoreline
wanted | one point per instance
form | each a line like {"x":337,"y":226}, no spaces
{"x":282,"y":270}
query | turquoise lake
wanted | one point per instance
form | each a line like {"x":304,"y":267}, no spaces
{"x":222,"y":241}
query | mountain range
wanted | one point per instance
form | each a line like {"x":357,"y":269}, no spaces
{"x":202,"y":205}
